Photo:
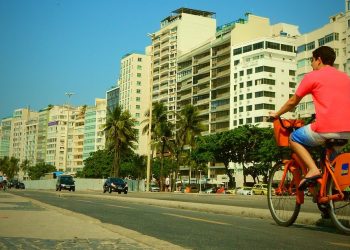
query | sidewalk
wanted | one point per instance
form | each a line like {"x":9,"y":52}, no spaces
{"x":29,"y":224}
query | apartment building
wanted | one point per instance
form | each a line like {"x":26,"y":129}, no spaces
{"x":31,"y":138}
{"x":59,"y":136}
{"x":5,"y":137}
{"x":245,"y":71}
{"x":20,"y":138}
{"x":263,"y":72}
{"x":184,"y":30}
{"x":335,"y":34}
{"x":134,"y":91}
{"x":94,"y":136}
{"x":112,"y":97}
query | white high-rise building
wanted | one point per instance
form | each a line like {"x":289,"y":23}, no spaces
{"x":334,"y":34}
{"x":134,"y":91}
{"x":263,"y":69}
{"x":179,"y":33}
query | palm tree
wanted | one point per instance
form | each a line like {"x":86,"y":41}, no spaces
{"x":161,"y":132}
{"x":120,"y":134}
{"x":189,"y":125}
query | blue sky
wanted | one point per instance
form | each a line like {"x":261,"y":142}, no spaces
{"x":50,"y":47}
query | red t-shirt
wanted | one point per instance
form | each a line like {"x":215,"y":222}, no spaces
{"x":330,"y":90}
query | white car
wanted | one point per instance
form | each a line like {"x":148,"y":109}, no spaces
{"x":245,"y":191}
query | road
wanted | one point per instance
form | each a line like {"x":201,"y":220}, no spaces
{"x":195,"y":229}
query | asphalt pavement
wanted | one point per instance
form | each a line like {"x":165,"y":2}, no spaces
{"x":29,"y":224}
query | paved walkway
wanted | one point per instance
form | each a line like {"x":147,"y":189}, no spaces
{"x":29,"y":224}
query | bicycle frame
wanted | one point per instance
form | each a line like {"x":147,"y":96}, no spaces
{"x":295,"y":166}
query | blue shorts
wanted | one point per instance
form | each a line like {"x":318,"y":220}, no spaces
{"x":307,"y":137}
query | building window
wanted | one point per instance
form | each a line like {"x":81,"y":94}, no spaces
{"x":288,"y":48}
{"x":249,"y":83}
{"x":247,"y":48}
{"x":249,"y":71}
{"x":258,"y":45}
{"x":249,"y":120}
{"x":249,"y":96}
{"x":264,"y":94}
{"x":138,"y":74}
{"x":139,"y":59}
{"x":264,"y":106}
{"x":236,"y":62}
{"x":292,"y":72}
{"x":292,"y":84}
{"x":240,"y":121}
{"x":241,"y":73}
{"x":138,"y":107}
{"x":139,"y":67}
{"x":249,"y":108}
{"x":237,"y":51}
{"x":240,"y":109}
{"x":271,"y":45}
{"x":310,"y":46}
{"x":241,"y":85}
{"x":138,"y":91}
{"x":241,"y":97}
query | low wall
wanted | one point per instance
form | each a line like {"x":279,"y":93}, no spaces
{"x":83,"y":184}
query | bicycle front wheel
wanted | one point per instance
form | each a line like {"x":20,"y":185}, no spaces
{"x":340,"y":210}
{"x":281,"y":196}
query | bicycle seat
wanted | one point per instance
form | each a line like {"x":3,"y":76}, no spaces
{"x":336,"y":142}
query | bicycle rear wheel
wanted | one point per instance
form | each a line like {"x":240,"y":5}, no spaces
{"x":340,"y":210}
{"x":281,"y":197}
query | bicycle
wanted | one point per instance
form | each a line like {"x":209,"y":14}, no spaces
{"x":331,"y":192}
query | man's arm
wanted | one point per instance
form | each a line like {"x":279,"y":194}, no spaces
{"x":289,"y":105}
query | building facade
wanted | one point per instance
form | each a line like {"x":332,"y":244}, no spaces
{"x":94,"y":136}
{"x":134,"y":96}
{"x":334,"y":34}
{"x":179,"y":33}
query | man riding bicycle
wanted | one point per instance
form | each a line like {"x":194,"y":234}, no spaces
{"x":330,"y":90}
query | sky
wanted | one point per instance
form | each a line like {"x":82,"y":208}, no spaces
{"x":52,"y":47}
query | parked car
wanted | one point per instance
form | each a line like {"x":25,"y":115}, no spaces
{"x":65,"y":182}
{"x":114,"y":184}
{"x":245,"y":191}
{"x":154,"y":188}
{"x":15,"y":184}
{"x":259,"y":189}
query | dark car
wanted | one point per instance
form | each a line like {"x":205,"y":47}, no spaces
{"x":114,"y":184}
{"x":15,"y":184}
{"x":65,"y":182}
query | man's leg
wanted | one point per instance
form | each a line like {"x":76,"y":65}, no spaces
{"x":305,"y":157}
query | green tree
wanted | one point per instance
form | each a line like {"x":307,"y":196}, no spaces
{"x":25,"y":165}
{"x":9,"y":166}
{"x":97,"y":165}
{"x":161,"y":133}
{"x":120,"y":134}
{"x":189,"y":126}
{"x":39,"y":170}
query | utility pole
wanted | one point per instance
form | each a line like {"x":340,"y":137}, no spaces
{"x":68,"y":94}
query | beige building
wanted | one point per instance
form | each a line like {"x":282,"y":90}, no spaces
{"x":179,"y":33}
{"x":23,"y":132}
{"x":59,"y":136}
{"x":335,"y":34}
{"x":263,"y":69}
{"x":134,"y":91}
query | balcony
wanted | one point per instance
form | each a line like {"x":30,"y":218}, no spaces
{"x":220,"y":52}
{"x":203,"y":80}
